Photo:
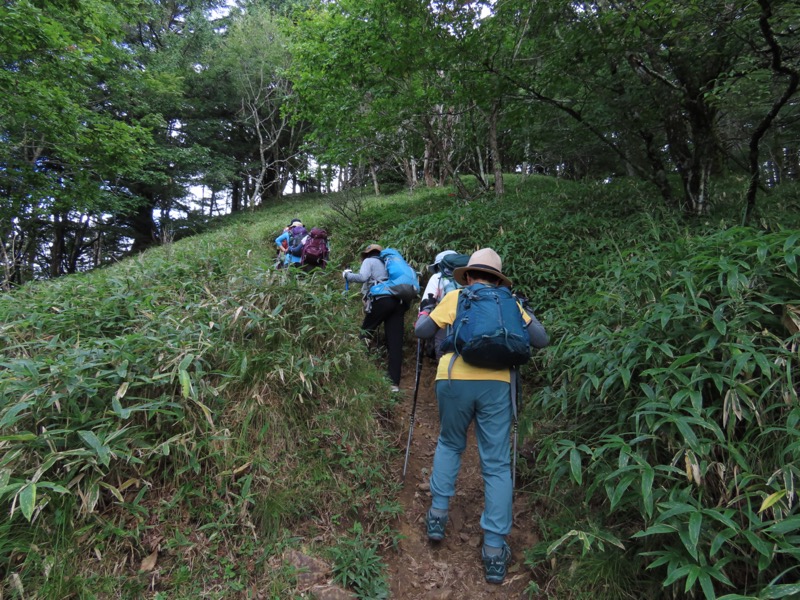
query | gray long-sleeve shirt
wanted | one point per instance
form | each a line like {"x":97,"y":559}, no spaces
{"x":372,"y":271}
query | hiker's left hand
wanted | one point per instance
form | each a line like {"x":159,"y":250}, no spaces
{"x":427,"y":305}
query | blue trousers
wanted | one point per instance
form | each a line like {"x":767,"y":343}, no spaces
{"x":489,"y":404}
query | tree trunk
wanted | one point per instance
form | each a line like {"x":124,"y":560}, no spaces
{"x":794,"y":80}
{"x":447,"y":167}
{"x":236,"y":195}
{"x":481,"y":172}
{"x":693,"y":148}
{"x":57,"y":249}
{"x":77,"y":246}
{"x":374,"y":175}
{"x":659,"y":172}
{"x":427,"y":164}
{"x":143,"y":226}
{"x":497,"y":163}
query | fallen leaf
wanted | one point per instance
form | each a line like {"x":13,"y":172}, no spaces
{"x":149,"y":563}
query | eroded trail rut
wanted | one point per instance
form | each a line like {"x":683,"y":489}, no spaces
{"x":451,"y":569}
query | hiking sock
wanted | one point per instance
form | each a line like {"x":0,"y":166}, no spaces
{"x":439,"y":513}
{"x":491,"y":551}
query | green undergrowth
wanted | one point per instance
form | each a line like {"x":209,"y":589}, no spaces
{"x":170,"y":426}
{"x":667,"y":401}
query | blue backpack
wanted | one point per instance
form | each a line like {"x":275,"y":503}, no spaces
{"x":488,"y":330}
{"x":402,"y":283}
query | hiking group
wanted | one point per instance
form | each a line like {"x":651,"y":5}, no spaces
{"x":299,"y":247}
{"x":481,"y":333}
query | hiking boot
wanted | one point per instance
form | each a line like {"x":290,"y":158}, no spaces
{"x":435,"y":526}
{"x":495,"y":566}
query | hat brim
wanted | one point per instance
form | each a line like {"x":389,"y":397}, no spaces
{"x":370,"y":249}
{"x":460,"y":274}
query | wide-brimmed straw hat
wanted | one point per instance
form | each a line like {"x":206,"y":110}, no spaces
{"x":369,"y":249}
{"x":484,"y":260}
{"x":435,"y":264}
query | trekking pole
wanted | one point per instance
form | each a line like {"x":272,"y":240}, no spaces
{"x":515,"y":384}
{"x":413,"y":406}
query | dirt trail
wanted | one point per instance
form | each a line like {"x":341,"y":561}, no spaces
{"x":451,"y":569}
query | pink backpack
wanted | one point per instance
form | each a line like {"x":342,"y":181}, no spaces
{"x":315,"y":250}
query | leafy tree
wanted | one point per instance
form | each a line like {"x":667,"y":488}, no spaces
{"x":60,"y":144}
{"x":256,"y":56}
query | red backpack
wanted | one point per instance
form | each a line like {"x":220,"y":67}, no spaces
{"x":315,"y":250}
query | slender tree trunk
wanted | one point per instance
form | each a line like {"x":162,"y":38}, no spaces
{"x":77,"y":246}
{"x":236,"y":195}
{"x":526,"y":163}
{"x":659,"y":172}
{"x":794,"y":79}
{"x":374,"y":175}
{"x":497,"y":163}
{"x":57,"y":249}
{"x":97,"y":255}
{"x":427,"y":164}
{"x":445,"y":162}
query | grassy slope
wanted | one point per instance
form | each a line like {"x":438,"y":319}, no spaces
{"x":194,"y":401}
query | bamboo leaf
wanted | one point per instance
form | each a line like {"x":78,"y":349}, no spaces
{"x":27,"y":500}
{"x":10,"y":417}
{"x":575,"y":465}
{"x":695,"y":525}
{"x":648,"y":476}
{"x":186,"y":384}
{"x":123,"y":389}
{"x":187,"y":360}
{"x":771,"y":500}
{"x":103,"y":452}
{"x":785,"y":590}
{"x":118,"y":409}
{"x":722,"y":537}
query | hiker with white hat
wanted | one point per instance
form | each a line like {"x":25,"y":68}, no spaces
{"x":465,"y":393}
{"x":440,"y":282}
{"x":291,"y":235}
{"x":436,"y":284}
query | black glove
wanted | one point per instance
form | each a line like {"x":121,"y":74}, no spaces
{"x":427,"y":304}
{"x":523,"y":300}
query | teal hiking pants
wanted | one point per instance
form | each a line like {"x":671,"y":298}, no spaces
{"x":489,"y":404}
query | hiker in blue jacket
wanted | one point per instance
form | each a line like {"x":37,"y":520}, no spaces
{"x":384,"y":309}
{"x":464,"y":393}
{"x":284,"y":241}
